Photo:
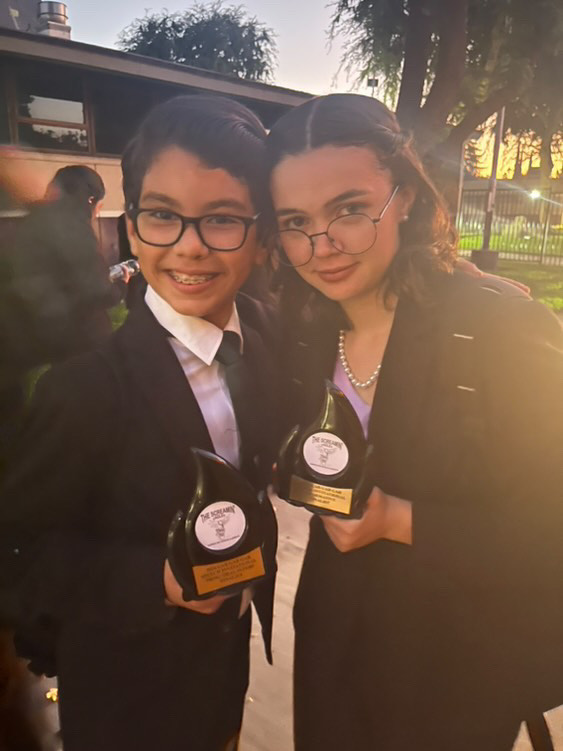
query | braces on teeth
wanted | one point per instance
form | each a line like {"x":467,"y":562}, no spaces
{"x":190,"y":280}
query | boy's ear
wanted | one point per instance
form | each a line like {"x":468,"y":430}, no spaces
{"x":131,"y":235}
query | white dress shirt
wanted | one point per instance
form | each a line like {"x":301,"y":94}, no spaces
{"x":195,"y":342}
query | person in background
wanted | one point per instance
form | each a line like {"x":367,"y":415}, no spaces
{"x":54,"y":289}
{"x":435,"y":620}
{"x":45,"y":286}
{"x":84,"y":189}
{"x":81,"y":184}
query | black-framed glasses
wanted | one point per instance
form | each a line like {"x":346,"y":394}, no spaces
{"x":163,"y":228}
{"x":351,"y":234}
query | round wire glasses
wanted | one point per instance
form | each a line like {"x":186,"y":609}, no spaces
{"x":351,"y":234}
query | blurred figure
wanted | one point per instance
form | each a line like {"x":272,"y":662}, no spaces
{"x":81,"y":184}
{"x":54,"y":293}
{"x":54,"y":289}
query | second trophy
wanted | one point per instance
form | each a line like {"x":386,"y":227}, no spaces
{"x":324,"y":466}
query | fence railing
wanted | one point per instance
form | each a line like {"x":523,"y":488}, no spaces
{"x":526,"y":226}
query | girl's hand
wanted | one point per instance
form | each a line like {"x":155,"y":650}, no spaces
{"x":385,"y":518}
{"x":175,"y":598}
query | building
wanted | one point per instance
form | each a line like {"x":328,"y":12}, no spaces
{"x":64,"y":102}
{"x":21,"y":15}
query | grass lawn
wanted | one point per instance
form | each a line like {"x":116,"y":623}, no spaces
{"x":510,"y":242}
{"x":545,"y":282}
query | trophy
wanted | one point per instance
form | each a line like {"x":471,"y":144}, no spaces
{"x":325,"y":467}
{"x":226,"y":538}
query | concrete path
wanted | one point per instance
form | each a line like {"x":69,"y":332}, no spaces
{"x":268,"y":715}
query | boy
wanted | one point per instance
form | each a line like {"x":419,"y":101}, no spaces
{"x":104,"y":462}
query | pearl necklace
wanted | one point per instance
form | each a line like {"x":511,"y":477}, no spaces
{"x":348,"y":370}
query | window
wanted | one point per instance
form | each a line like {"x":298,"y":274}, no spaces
{"x":50,"y":111}
{"x":118,"y":107}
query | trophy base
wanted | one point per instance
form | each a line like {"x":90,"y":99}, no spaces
{"x":323,"y":498}
{"x":215,"y":578}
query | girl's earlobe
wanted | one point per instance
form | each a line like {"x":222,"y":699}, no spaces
{"x":408,"y":197}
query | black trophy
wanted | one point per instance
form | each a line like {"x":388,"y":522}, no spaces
{"x":226,"y":538}
{"x":325,"y":467}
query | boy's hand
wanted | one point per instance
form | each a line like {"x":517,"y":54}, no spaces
{"x":175,"y":598}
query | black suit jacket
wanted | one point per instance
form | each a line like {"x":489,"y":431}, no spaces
{"x":102,"y":467}
{"x":418,"y":646}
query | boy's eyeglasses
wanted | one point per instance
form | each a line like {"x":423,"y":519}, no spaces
{"x":351,"y":234}
{"x":164,"y":228}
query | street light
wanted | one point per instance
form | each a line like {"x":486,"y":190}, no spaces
{"x":535,"y":194}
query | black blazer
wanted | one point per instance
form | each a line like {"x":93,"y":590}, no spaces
{"x":101,"y":469}
{"x":412,"y":646}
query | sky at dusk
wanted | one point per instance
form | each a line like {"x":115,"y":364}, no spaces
{"x":304,"y":59}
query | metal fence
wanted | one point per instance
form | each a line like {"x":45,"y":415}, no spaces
{"x":526,"y":226}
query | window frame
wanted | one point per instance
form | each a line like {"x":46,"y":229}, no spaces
{"x":15,"y":119}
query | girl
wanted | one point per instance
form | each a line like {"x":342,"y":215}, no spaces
{"x":434,"y":621}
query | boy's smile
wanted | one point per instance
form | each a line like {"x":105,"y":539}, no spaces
{"x":193,"y":279}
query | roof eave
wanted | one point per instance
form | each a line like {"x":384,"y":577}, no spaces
{"x":90,"y":56}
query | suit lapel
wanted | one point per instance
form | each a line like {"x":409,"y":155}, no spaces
{"x":408,"y":370}
{"x":163,"y":384}
{"x":257,"y":424}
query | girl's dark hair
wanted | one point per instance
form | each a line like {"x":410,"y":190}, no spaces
{"x":427,"y":240}
{"x":222,"y":132}
{"x":81,"y":184}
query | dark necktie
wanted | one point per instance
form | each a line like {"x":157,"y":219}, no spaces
{"x":239,"y":384}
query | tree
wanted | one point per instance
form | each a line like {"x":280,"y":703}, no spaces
{"x":448,"y":65}
{"x":214,"y":37}
{"x":538,"y":113}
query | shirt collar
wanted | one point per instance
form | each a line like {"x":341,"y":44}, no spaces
{"x":201,"y":337}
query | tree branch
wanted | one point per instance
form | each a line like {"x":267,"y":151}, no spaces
{"x":479,"y":114}
{"x":444,"y":94}
{"x":415,"y":66}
